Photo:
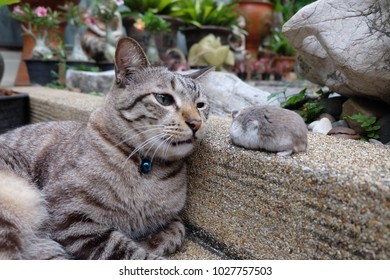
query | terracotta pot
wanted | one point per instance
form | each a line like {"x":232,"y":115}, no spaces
{"x":258,"y":21}
{"x":285,"y":64}
{"x":194,"y":34}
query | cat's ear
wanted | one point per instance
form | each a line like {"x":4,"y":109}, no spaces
{"x":201,"y":73}
{"x":129,"y":57}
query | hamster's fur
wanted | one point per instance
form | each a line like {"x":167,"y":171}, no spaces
{"x":269,"y":128}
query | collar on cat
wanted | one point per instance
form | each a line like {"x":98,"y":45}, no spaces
{"x":146,"y":165}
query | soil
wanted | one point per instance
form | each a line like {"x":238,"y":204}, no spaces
{"x":8,"y":92}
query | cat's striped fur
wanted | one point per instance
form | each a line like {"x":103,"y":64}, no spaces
{"x":75,"y":190}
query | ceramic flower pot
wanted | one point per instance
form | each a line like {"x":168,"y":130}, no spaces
{"x":258,"y":17}
{"x":14,"y":110}
{"x":42,"y":72}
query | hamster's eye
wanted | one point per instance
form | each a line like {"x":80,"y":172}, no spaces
{"x":200,"y":105}
{"x":164,"y":99}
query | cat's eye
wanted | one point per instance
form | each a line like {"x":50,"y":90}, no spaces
{"x":200,"y":105}
{"x":164,"y":99}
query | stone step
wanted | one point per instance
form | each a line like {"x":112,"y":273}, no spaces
{"x":332,"y":202}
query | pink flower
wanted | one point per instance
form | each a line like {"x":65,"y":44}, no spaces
{"x":17,"y":10}
{"x":119,"y":2}
{"x":88,"y":19}
{"x":40,"y":11}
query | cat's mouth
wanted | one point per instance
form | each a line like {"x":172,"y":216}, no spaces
{"x":189,"y":141}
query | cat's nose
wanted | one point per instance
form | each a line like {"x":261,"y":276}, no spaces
{"x":194,"y":124}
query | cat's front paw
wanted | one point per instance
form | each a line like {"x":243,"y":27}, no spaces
{"x":167,"y":241}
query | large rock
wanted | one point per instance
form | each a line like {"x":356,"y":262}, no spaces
{"x":345,"y":45}
{"x":226,"y":91}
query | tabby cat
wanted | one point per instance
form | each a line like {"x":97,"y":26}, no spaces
{"x":110,"y":188}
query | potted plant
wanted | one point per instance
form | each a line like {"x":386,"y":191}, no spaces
{"x":155,"y":25}
{"x":210,"y":52}
{"x":36,"y":23}
{"x":206,"y":17}
{"x":258,"y":15}
{"x":164,"y":9}
{"x":77,"y":17}
{"x":285,"y":55}
{"x":108,"y":28}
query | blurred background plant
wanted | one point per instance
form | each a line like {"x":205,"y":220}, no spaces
{"x":157,"y":7}
{"x":207,"y":12}
{"x":36,"y":23}
{"x":77,"y":17}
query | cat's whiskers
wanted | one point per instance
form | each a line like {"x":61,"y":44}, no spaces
{"x":164,"y":142}
{"x":143,"y":144}
{"x":168,"y":145}
{"x":163,"y":138}
{"x":136,"y":135}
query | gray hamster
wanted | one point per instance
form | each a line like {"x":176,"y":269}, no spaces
{"x":269,"y":128}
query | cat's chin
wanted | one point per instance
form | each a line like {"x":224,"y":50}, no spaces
{"x":177,"y":151}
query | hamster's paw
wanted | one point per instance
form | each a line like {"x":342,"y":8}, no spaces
{"x":284,"y":153}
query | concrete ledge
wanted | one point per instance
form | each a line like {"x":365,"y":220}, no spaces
{"x":332,"y":202}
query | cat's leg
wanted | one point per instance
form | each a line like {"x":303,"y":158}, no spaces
{"x":45,"y":249}
{"x":166,"y":241}
{"x":83,"y":238}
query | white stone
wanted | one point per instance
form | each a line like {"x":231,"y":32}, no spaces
{"x":322,"y":126}
{"x":88,"y":82}
{"x":227,"y":92}
{"x":345,"y":45}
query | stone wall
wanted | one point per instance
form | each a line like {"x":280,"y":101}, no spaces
{"x":332,"y":202}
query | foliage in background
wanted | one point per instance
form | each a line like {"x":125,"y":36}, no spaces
{"x":157,"y":7}
{"x":367,"y":124}
{"x":36,"y":23}
{"x":207,"y":12}
{"x":280,"y":45}
{"x":8,"y":2}
{"x":38,"y":19}
{"x":75,"y":14}
{"x":308,"y":109}
{"x":288,"y":8}
{"x":105,"y":10}
{"x":152,"y":22}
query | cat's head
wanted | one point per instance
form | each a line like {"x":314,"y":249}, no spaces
{"x":159,"y":113}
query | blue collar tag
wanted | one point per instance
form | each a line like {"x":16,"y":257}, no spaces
{"x":146,"y":165}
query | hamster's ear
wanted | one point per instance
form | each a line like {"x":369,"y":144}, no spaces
{"x":235,"y":114}
{"x":201,"y":73}
{"x":129,"y":57}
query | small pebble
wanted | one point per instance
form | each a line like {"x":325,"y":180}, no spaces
{"x":342,"y":123}
{"x":344,"y":132}
{"x":322,"y":126}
